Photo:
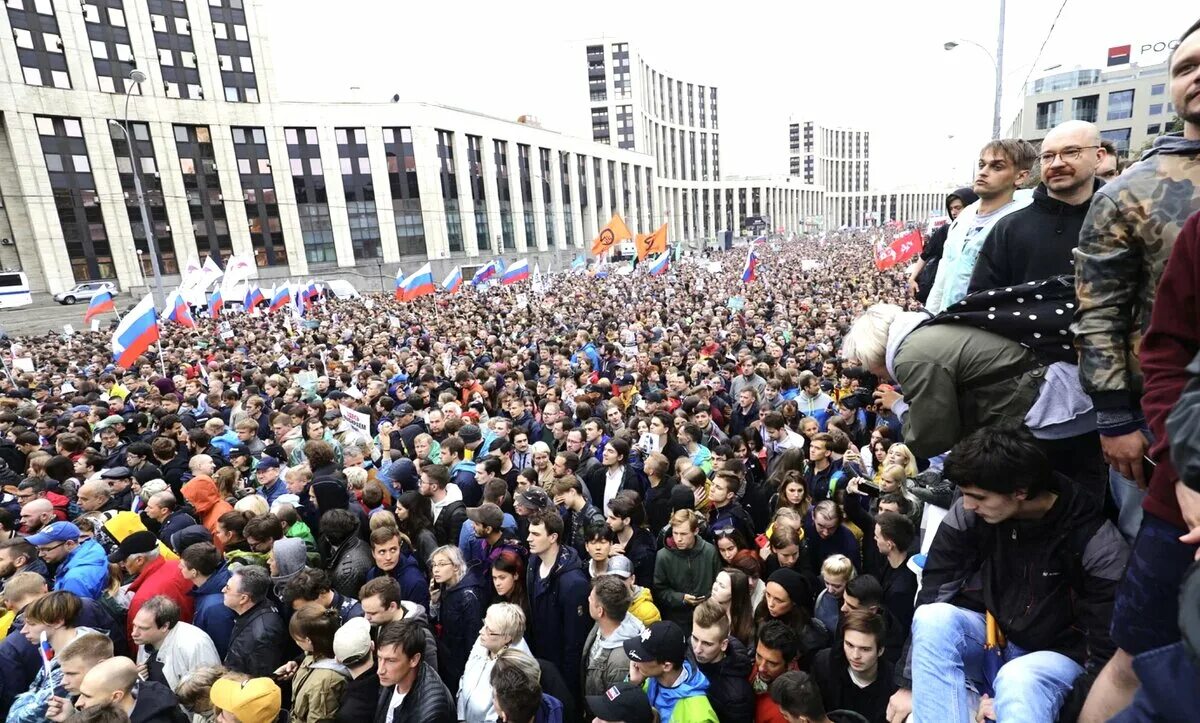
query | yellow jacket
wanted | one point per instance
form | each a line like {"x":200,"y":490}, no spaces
{"x":643,"y":607}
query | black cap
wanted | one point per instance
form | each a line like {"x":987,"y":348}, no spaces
{"x":662,"y":642}
{"x":403,"y":410}
{"x":136,"y":543}
{"x":239,"y":450}
{"x":624,"y":702}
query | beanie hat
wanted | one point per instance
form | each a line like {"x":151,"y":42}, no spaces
{"x":794,"y":583}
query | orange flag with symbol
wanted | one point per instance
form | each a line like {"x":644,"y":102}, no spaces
{"x":654,"y":243}
{"x":615,"y":231}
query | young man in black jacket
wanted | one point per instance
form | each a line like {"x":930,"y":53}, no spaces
{"x":853,"y":674}
{"x":1036,"y":553}
{"x":411,"y":691}
{"x":724,"y":660}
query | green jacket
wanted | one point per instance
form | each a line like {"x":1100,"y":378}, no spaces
{"x":1126,"y":238}
{"x":957,"y":379}
{"x":677,"y":572}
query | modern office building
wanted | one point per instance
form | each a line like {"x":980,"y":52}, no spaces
{"x":1130,"y":104}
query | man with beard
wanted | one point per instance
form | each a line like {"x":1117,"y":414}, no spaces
{"x":16,"y":556}
{"x":1038,"y":241}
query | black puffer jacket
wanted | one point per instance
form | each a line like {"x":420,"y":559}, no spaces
{"x":428,"y":701}
{"x":257,"y":642}
{"x":729,"y":689}
{"x":155,"y":703}
{"x":458,"y":621}
{"x":348,"y":565}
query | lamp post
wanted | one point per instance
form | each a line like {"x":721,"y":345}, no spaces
{"x":997,"y":65}
{"x":138,"y":77}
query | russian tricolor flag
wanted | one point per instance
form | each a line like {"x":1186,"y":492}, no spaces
{"x":750,"y":272}
{"x":660,"y":265}
{"x":517,"y":272}
{"x":453,"y":280}
{"x":178,"y":310}
{"x":310,"y":294}
{"x":419,"y":283}
{"x":282,"y":297}
{"x":399,"y":284}
{"x":484,"y":273}
{"x":100,"y":303}
{"x":253,"y":298}
{"x":136,"y":332}
{"x":216,"y":302}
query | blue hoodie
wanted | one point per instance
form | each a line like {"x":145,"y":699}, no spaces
{"x":83,"y":571}
{"x":413,"y":585}
{"x":693,"y":685}
{"x":211,"y":615}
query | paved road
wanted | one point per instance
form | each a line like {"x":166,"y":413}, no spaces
{"x":45,"y":314}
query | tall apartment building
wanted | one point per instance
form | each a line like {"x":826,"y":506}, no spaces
{"x":1130,"y":104}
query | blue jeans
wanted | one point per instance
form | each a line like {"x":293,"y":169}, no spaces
{"x":1128,"y":497}
{"x":948,"y":654}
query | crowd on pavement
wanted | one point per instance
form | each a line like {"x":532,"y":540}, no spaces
{"x":965,"y":491}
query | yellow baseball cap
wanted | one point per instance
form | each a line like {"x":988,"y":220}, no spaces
{"x":258,"y":700}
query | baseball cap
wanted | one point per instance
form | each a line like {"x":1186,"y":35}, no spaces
{"x":352,"y":641}
{"x":662,"y":642}
{"x":624,"y":702}
{"x":266,"y":463}
{"x":239,"y":450}
{"x":54,"y":532}
{"x":534,"y":498}
{"x":116,"y":473}
{"x":620,"y":566}
{"x":110,"y":421}
{"x":136,"y":543}
{"x":404,"y":410}
{"x":487,"y":514}
{"x":331,"y":415}
{"x":258,"y":700}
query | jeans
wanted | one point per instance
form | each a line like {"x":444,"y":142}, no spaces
{"x":1128,"y":497}
{"x":948,"y":655}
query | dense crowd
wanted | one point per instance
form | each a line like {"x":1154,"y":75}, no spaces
{"x":829,"y":494}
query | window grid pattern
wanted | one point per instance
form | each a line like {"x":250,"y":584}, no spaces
{"x":312,"y":199}
{"x":361,"y":211}
{"x":564,"y":170}
{"x":147,"y":169}
{"x":258,"y":193}
{"x":108,"y":35}
{"x":406,"y":194}
{"x":176,"y":49}
{"x":622,"y":83}
{"x":500,"y":150}
{"x":526,"y":193}
{"x":597,"y":78}
{"x":39,"y":43}
{"x":483,"y":233}
{"x":547,"y":200}
{"x":75,"y":198}
{"x":1120,"y":105}
{"x":232,"y":37}
{"x":454,"y":236}
{"x":202,"y":186}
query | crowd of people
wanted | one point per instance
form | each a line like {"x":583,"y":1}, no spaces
{"x":830,"y":494}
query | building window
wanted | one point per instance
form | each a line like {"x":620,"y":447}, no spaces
{"x":359,"y":190}
{"x":143,"y":160}
{"x":74,"y":191}
{"x":1120,"y":105}
{"x":39,"y":44}
{"x":547,"y":199}
{"x":258,"y":190}
{"x":526,"y":194}
{"x":500,"y":158}
{"x":483,"y":235}
{"x":202,"y":187}
{"x":564,"y":174}
{"x":1153,"y":129}
{"x":449,"y":179}
{"x":312,"y":201}
{"x":1156,"y":108}
{"x":1084,"y":108}
{"x":176,"y":51}
{"x":1158,"y":89}
{"x":238,"y":81}
{"x":112,"y":53}
{"x":1120,"y":139}
{"x":406,"y":195}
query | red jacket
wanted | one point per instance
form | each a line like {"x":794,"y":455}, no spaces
{"x":160,"y":577}
{"x":1168,"y":347}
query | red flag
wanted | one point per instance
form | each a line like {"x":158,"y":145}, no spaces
{"x":901,"y":249}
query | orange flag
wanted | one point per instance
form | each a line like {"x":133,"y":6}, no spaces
{"x":654,"y":243}
{"x":615,"y":231}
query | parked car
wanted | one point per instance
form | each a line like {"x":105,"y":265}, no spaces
{"x":85,"y":291}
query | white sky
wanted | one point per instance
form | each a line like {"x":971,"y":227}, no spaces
{"x":875,"y":64}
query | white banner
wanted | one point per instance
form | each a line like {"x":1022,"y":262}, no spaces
{"x":360,"y":422}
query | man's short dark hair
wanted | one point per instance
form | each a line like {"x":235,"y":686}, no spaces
{"x":517,"y":696}
{"x":166,"y":611}
{"x":405,"y":634}
{"x":613,"y":596}
{"x":897,"y":528}
{"x":903,"y":504}
{"x":1001,"y":459}
{"x":36,"y":485}
{"x":338,"y":525}
{"x":20,"y":547}
{"x":551,"y":520}
{"x":202,"y":557}
{"x":778,"y":635}
{"x":386,"y":588}
{"x":438,"y":473}
{"x":1020,"y":153}
{"x":797,"y":694}
{"x":308,"y":585}
{"x":866,"y":589}
{"x":255,"y":582}
{"x":570,"y":460}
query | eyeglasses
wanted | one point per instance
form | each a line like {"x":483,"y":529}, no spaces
{"x":1068,"y":155}
{"x":50,"y":548}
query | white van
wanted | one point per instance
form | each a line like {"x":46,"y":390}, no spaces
{"x":14,"y":290}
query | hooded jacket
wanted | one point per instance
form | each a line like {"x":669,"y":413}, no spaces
{"x":611,"y":665}
{"x":178,"y":521}
{"x":677,"y":572}
{"x":687,"y":702}
{"x":155,"y":703}
{"x":348,"y":565}
{"x":1126,"y":238}
{"x":1031,"y":244}
{"x":201,"y":493}
{"x":642,"y":606}
{"x":210,"y":614}
{"x":931,"y":254}
{"x":449,"y":516}
{"x":160,"y":576}
{"x":359,"y":699}
{"x":458,"y":617}
{"x":413,"y":585}
{"x":291,"y":556}
{"x":317,"y":690}
{"x":558,"y":604}
{"x":83,"y":571}
{"x":256,"y":645}
{"x":729,"y":689}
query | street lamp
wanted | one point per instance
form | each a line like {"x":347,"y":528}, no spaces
{"x":997,"y":65}
{"x":138,"y":77}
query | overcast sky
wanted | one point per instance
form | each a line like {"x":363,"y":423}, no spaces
{"x":875,"y":64}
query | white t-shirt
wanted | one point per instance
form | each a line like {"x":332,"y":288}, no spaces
{"x":397,"y":699}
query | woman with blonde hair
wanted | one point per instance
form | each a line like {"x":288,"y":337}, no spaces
{"x":456,"y":599}
{"x":900,"y":454}
{"x":503,"y":628}
{"x":254,"y":504}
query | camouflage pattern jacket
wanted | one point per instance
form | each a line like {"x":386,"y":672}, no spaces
{"x":1123,"y":247}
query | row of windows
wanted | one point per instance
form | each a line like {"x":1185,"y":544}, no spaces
{"x":1086,"y":108}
